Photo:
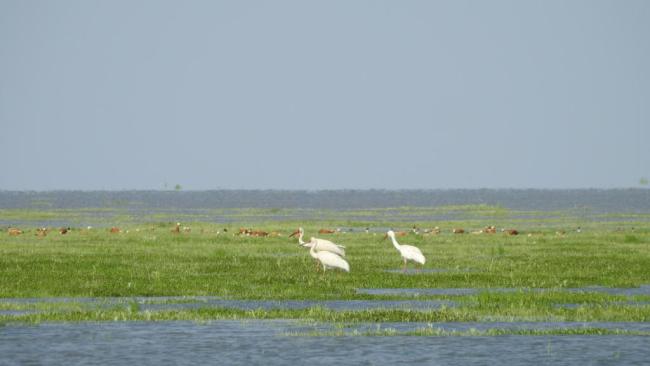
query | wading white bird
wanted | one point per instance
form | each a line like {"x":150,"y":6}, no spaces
{"x":408,"y":252}
{"x":321,"y":244}
{"x":328,"y":259}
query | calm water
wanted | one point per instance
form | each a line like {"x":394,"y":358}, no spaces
{"x":631,"y":291}
{"x":267,"y":343}
{"x":104,"y":208}
{"x":279,"y":342}
{"x":600,"y":200}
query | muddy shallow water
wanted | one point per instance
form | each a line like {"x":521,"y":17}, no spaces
{"x":269,"y":343}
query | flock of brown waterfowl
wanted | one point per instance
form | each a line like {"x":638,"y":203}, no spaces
{"x":242,"y":231}
{"x":178,"y":229}
{"x":327,"y":253}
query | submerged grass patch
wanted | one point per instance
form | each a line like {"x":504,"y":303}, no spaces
{"x":131,"y":311}
{"x":122,"y":313}
{"x":439,"y":332}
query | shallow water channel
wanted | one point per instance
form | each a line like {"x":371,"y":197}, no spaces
{"x":273,"y":343}
{"x":632,"y":291}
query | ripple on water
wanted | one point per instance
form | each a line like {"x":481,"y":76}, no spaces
{"x":266,"y":342}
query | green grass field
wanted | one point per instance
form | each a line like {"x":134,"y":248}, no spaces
{"x":150,"y":260}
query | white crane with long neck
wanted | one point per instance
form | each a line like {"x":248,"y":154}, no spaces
{"x":321,"y":244}
{"x":328,"y":259}
{"x":408,"y":252}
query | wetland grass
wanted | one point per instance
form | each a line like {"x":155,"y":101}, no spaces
{"x":146,"y":259}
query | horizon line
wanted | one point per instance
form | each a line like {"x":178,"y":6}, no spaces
{"x":327,"y":189}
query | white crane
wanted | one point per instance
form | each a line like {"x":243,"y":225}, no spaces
{"x":328,"y":259}
{"x":408,"y":252}
{"x":322,"y":245}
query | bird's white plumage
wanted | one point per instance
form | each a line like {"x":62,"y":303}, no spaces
{"x":321,"y":244}
{"x":408,"y":252}
{"x":328,"y":259}
{"x":412,"y":253}
{"x":326,"y":246}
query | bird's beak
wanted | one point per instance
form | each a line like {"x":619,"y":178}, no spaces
{"x":295,"y":233}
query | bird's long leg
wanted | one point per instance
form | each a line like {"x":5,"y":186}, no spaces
{"x":317,"y":266}
{"x":404,"y":269}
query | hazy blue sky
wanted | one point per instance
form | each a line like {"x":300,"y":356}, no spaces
{"x":324,"y":94}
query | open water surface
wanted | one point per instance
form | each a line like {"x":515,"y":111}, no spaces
{"x":270,"y":343}
{"x":101,"y":208}
{"x":600,"y":200}
{"x":632,"y":291}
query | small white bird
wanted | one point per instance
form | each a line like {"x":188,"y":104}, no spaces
{"x":328,"y":259}
{"x":322,"y":244}
{"x":408,"y":252}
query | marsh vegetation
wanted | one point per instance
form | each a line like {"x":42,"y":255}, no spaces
{"x":538,"y":268}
